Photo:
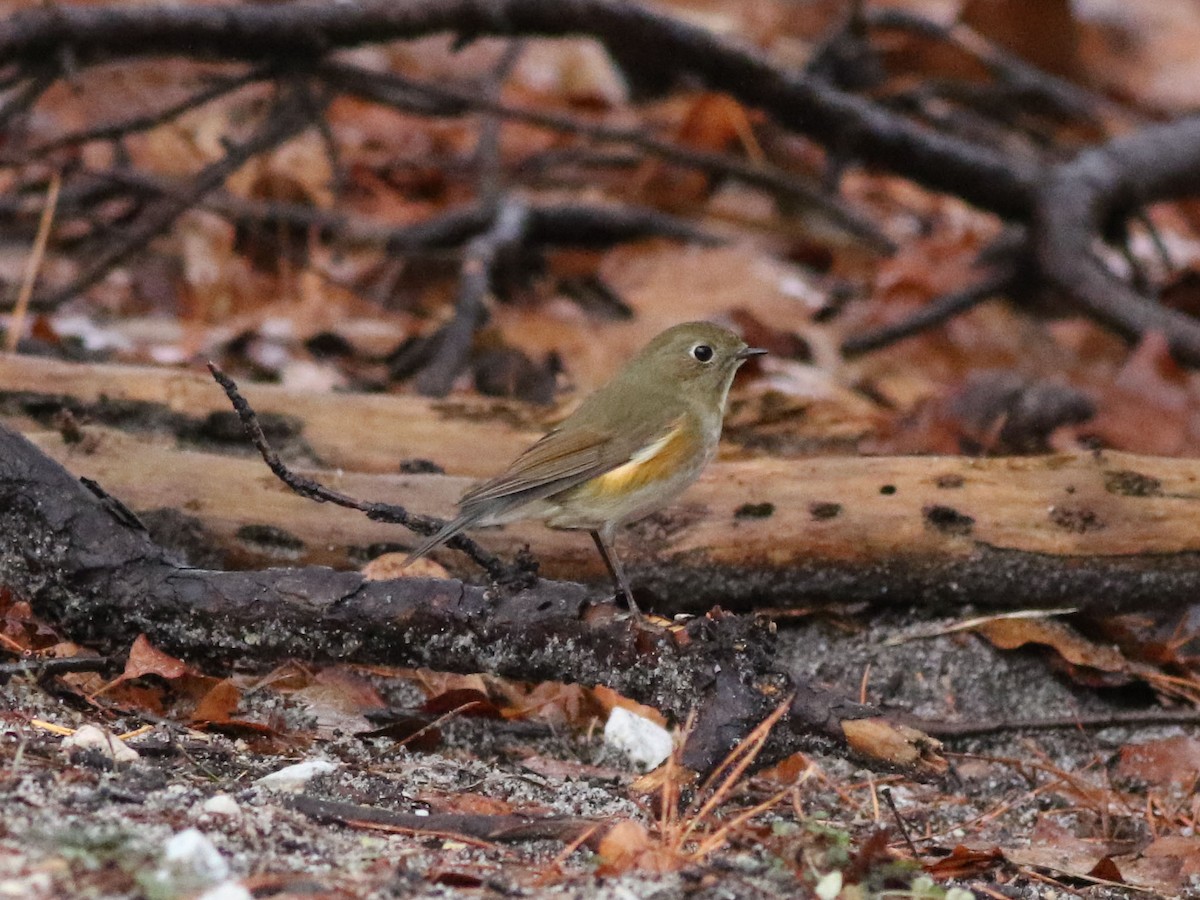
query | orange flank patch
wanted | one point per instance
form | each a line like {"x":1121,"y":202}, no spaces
{"x":661,"y":459}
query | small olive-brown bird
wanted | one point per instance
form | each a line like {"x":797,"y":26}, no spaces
{"x":629,"y":449}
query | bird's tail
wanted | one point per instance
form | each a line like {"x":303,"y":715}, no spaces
{"x":449,"y":530}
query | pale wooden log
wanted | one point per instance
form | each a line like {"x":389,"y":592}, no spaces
{"x":360,"y":432}
{"x":1103,"y":529}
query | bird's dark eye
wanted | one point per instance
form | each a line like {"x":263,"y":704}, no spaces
{"x":702,"y":352}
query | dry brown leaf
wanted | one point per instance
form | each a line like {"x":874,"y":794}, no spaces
{"x":965,"y":862}
{"x":787,"y":770}
{"x":474,"y":803}
{"x":1183,"y":846}
{"x":1148,"y":406}
{"x":387,"y":566}
{"x":1009,"y":634}
{"x":577,"y":70}
{"x":608,"y":699}
{"x":1053,"y":847}
{"x":895,"y":744}
{"x":146,"y":659}
{"x":1173,"y":761}
{"x":218,"y":704}
{"x":1042,"y":31}
{"x":712,"y":123}
{"x":338,"y":697}
{"x":466,"y":702}
{"x":569,"y":769}
{"x":628,"y":846}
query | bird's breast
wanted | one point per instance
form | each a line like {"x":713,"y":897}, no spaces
{"x":653,"y":476}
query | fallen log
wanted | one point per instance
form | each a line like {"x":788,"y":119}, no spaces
{"x":1102,"y":531}
{"x":400,"y":427}
{"x":84,"y":563}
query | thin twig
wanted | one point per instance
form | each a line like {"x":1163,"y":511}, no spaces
{"x":1118,"y":719}
{"x":16,"y":325}
{"x":379,"y":512}
{"x":487,"y":149}
{"x":474,"y":828}
{"x":479,"y":261}
{"x":1063,"y":95}
{"x":974,"y":622}
{"x":931,"y":315}
{"x":551,"y":224}
{"x":900,"y":823}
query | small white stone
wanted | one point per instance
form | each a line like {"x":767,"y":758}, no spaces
{"x":646,"y":744}
{"x":829,"y":886}
{"x":227,"y":890}
{"x":29,"y":887}
{"x":293,"y":778}
{"x":89,"y":737}
{"x":221,"y":805}
{"x":190,"y":864}
{"x":190,"y":850}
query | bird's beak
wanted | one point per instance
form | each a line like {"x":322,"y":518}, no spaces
{"x":747,"y":352}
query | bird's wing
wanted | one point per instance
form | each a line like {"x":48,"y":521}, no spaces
{"x":562,"y":460}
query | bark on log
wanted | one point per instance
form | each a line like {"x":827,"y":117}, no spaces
{"x":84,"y":564}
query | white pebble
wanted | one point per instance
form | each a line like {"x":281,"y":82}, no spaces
{"x":293,"y":778}
{"x":645,"y":743}
{"x":89,"y":737}
{"x":829,"y":886}
{"x":221,"y":805}
{"x":190,"y":864}
{"x":191,"y":851}
{"x":227,"y":890}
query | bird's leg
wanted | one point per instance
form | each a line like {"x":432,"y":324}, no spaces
{"x":604,"y":545}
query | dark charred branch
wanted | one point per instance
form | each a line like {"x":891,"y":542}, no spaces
{"x":219,"y":88}
{"x":398,"y":91}
{"x":1079,"y":201}
{"x":855,"y":128}
{"x":506,"y":828}
{"x":1067,"y":205}
{"x":550,"y":224}
{"x":934,"y":314}
{"x":103,"y":581}
{"x":480,"y":258}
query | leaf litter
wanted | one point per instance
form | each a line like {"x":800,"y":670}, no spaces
{"x":1115,"y":807}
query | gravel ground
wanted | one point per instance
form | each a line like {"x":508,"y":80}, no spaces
{"x":189,"y":815}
